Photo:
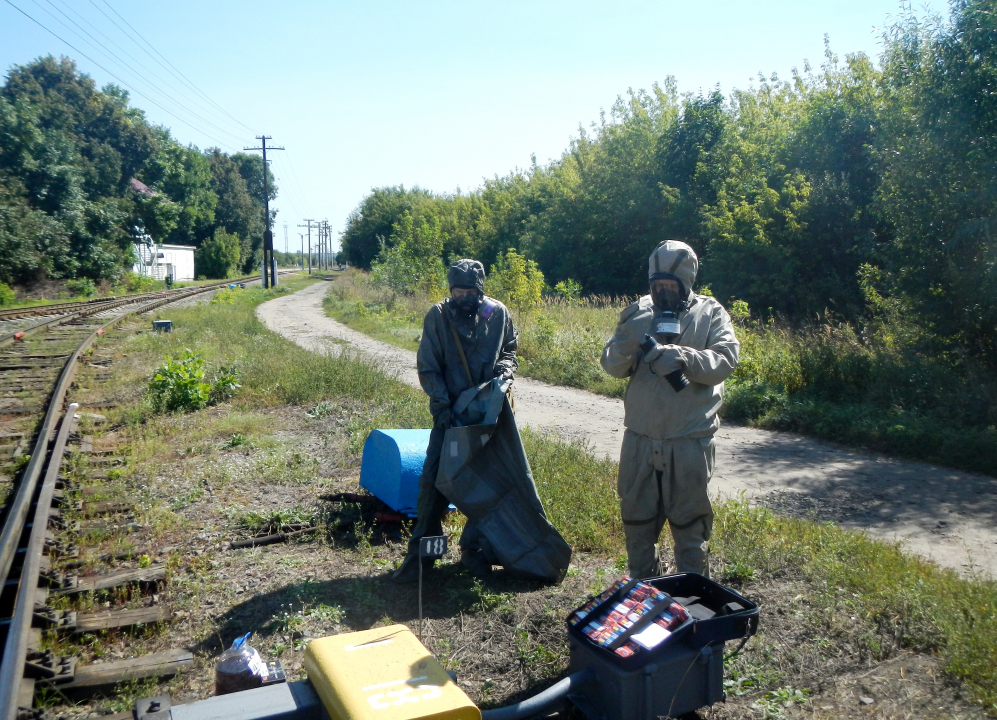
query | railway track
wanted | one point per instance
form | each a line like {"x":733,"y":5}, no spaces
{"x":37,"y":368}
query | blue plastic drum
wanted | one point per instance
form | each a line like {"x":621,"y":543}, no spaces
{"x":391,"y":466}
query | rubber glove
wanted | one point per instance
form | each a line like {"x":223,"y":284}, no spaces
{"x":443,"y":419}
{"x":665,"y":359}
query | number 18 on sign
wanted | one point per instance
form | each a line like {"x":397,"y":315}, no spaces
{"x":430,"y":547}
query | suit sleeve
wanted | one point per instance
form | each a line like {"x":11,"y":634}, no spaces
{"x":714,"y":364}
{"x":620,"y":354}
{"x":430,"y":362}
{"x":507,"y":362}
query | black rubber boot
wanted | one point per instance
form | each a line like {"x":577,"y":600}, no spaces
{"x":475,"y":562}
{"x":408,"y":571}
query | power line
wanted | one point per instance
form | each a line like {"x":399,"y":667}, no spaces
{"x":96,"y":43}
{"x":181,"y":75}
{"x":126,"y":84}
{"x":165,"y":81}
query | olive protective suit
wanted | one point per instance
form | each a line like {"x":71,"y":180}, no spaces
{"x":489,"y":342}
{"x":668,"y":454}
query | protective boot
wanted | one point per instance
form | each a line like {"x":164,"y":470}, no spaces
{"x":475,"y":562}
{"x":408,"y":571}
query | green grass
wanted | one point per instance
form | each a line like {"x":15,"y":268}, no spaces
{"x":560,"y":343}
{"x":909,"y":603}
{"x":862,"y":590}
{"x":273,"y":371}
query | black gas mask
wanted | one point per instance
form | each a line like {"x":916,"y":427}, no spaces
{"x":666,"y":327}
{"x":466,"y":304}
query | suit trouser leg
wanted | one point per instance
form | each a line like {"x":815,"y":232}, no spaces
{"x":640,"y":505}
{"x":432,"y":504}
{"x":688,"y":507}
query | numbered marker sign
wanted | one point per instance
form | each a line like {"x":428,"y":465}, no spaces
{"x":433,"y":546}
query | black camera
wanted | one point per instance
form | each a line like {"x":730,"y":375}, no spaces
{"x":665,"y":329}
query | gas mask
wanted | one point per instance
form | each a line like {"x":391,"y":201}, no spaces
{"x":467,"y":304}
{"x":669,"y":300}
{"x":666,"y":328}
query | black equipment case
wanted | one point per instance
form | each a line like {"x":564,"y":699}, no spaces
{"x":682,"y":674}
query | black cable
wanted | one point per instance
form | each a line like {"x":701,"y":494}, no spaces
{"x":165,"y":82}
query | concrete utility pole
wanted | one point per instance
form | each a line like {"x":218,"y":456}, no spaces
{"x":269,"y":279}
{"x":325,"y":242}
{"x":309,"y":226}
{"x":285,"y":242}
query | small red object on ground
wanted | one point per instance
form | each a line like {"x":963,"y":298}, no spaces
{"x":19,"y":336}
{"x":101,"y":331}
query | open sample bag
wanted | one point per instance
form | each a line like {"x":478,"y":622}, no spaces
{"x":485,"y":473}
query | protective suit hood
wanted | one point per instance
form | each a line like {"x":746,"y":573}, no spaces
{"x":466,"y":273}
{"x":674,"y":259}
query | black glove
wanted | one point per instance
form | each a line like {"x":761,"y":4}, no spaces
{"x":503,"y":373}
{"x":443,"y":419}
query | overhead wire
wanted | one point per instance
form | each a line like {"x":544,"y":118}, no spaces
{"x":289,"y":180}
{"x":108,"y":52}
{"x":116,"y":77}
{"x":150,"y":72}
{"x":177,"y":74}
{"x":294,"y":173}
{"x":289,"y":195}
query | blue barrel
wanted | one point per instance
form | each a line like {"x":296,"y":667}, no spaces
{"x":391,"y":466}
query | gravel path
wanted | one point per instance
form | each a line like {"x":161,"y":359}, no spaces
{"x":946,"y":515}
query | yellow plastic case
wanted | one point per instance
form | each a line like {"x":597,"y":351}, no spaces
{"x":383,"y":674}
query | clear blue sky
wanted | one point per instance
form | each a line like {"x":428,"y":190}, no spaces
{"x":436,"y":94}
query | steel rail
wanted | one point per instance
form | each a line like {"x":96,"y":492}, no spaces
{"x":111,"y":303}
{"x":16,"y":643}
{"x":16,"y":646}
{"x":58,"y":308}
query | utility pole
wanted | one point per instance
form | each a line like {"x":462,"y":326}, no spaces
{"x":285,"y":242}
{"x":301,"y":251}
{"x":325,"y":245}
{"x":309,"y":226}
{"x":268,"y":271}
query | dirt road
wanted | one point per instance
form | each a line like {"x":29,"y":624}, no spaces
{"x":946,"y":515}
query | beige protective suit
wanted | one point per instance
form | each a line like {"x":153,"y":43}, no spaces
{"x":668,"y":454}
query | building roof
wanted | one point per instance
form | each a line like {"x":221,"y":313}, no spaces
{"x":141,"y":188}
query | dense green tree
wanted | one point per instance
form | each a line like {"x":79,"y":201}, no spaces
{"x":369,"y":227}
{"x":69,"y":158}
{"x":219,"y":256}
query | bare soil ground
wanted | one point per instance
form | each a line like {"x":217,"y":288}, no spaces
{"x":945,"y":515}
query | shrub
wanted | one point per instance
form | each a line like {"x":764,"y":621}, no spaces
{"x":568,"y":290}
{"x":135,"y":283}
{"x":410,"y":263}
{"x":516,"y":281}
{"x":218,"y":257}
{"x":178,"y":385}
{"x":224,"y":385}
{"x":6,"y":295}
{"x":84,"y":287}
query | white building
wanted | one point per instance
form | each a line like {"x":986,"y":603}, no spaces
{"x":158,"y":261}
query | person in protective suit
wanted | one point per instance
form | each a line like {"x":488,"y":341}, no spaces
{"x":467,"y":339}
{"x":668,"y":453}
